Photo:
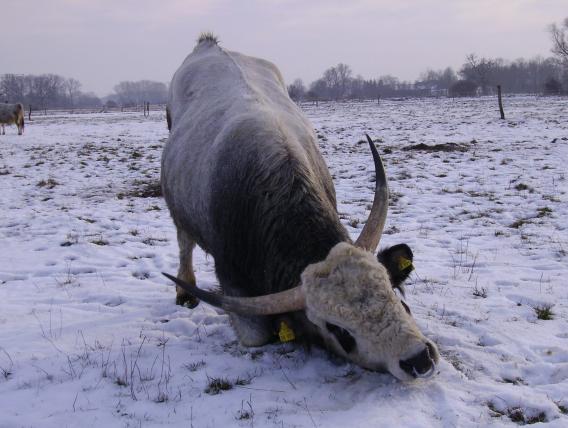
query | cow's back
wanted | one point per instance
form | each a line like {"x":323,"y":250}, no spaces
{"x":231,"y":116}
{"x":9,"y":113}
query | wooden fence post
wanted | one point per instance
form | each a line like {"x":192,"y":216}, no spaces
{"x":500,"y":102}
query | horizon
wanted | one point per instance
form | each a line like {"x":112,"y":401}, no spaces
{"x":103,"y":44}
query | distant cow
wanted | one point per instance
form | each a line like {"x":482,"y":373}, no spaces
{"x":243,"y":178}
{"x":12,"y":113}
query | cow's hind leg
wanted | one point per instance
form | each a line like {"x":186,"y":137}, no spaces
{"x":185,"y":272}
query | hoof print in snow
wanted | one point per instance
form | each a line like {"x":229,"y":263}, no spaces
{"x":141,"y":275}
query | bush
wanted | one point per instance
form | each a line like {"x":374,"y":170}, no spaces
{"x":552,"y":86}
{"x":463,"y":88}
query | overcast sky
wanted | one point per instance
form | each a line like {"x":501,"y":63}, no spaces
{"x":102,"y":42}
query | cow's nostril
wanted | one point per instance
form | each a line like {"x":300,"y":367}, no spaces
{"x":419,"y":365}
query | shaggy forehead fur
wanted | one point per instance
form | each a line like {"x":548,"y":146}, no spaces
{"x":352,"y":287}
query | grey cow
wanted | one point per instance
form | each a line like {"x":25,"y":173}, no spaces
{"x":243,"y":178}
{"x":12,"y":113}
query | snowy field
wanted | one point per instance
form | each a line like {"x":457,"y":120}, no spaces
{"x":90,"y":334}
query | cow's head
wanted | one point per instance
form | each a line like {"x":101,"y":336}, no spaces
{"x":350,"y":298}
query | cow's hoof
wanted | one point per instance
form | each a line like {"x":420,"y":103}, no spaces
{"x":187,"y":300}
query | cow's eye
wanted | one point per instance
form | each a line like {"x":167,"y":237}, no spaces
{"x":344,"y":338}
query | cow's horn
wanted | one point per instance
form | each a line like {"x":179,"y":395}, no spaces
{"x":373,"y":229}
{"x":270,"y":304}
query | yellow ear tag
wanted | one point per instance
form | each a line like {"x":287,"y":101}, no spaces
{"x":286,"y":334}
{"x":404,"y":263}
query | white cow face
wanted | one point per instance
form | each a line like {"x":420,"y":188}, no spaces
{"x":350,"y":298}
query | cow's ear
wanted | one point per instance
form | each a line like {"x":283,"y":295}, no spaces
{"x":398,"y":262}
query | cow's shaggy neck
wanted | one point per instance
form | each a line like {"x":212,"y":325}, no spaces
{"x":279,"y":221}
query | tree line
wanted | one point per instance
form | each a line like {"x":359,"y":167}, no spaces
{"x":45,"y":91}
{"x":477,"y":76}
{"x":49,"y":91}
{"x":129,"y":94}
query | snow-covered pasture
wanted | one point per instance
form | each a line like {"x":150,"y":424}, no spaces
{"x":90,"y":334}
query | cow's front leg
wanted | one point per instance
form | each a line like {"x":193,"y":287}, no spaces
{"x":185,"y":272}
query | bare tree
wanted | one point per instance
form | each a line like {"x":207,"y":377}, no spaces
{"x":344,"y":78}
{"x":73,"y":89}
{"x":12,"y":87}
{"x":560,"y":40}
{"x":337,"y":80}
{"x":46,"y":88}
{"x":331,"y":79}
{"x":318,"y":90}
{"x":478,"y":70}
{"x":136,"y":93}
{"x":357,"y":87}
{"x":297,"y":90}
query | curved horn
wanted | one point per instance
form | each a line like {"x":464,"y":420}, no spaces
{"x":373,"y":229}
{"x":270,"y":304}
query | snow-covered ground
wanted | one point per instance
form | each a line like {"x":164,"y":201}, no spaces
{"x":90,"y":334}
